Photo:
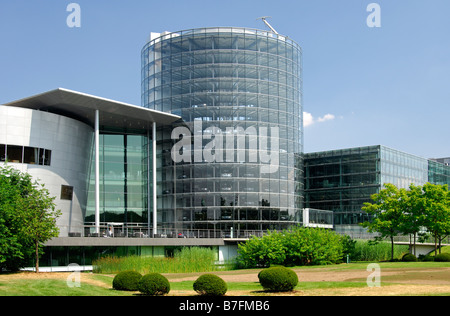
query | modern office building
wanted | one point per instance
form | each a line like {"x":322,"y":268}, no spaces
{"x":93,"y":154}
{"x":342,"y":180}
{"x":234,"y":162}
{"x":214,"y":151}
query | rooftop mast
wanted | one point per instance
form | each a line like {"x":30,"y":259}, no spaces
{"x":264,"y":19}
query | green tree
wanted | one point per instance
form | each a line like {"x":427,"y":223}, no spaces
{"x":436,"y":205}
{"x":12,"y":251}
{"x":413,"y":214}
{"x":27,"y":218}
{"x":387,"y":211}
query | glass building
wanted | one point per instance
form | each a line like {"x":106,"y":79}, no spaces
{"x":342,"y":180}
{"x":125,"y":179}
{"x":238,"y":163}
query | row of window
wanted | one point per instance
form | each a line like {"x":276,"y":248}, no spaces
{"x":230,"y":65}
{"x":219,"y":41}
{"x":24,"y":154}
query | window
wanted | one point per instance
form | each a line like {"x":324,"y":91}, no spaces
{"x":45,"y":157}
{"x":2,"y":152}
{"x":28,"y":155}
{"x":14,"y":153}
{"x":31,"y":155}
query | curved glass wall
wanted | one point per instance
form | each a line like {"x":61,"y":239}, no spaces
{"x":235,"y":161}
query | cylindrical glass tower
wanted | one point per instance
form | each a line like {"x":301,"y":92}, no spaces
{"x":233,"y":165}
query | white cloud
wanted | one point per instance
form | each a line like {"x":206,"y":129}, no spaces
{"x":309,"y":120}
{"x":327,"y":117}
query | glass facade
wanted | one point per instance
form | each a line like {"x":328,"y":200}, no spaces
{"x":342,"y":180}
{"x":402,"y":169}
{"x":239,"y":94}
{"x":439,"y":172}
{"x":124,"y":182}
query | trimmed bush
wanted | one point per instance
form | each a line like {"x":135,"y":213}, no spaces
{"x":210,"y":285}
{"x":127,"y":281}
{"x":409,"y":257}
{"x":443,"y":257}
{"x":154,"y":284}
{"x":426,"y":258}
{"x":278,"y":279}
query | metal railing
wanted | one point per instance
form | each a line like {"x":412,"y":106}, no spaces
{"x":118,"y":230}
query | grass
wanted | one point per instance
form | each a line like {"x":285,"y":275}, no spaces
{"x":101,"y":284}
{"x":188,"y":260}
{"x":364,"y":251}
{"x":51,"y":287}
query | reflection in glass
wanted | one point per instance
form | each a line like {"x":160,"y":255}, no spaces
{"x":229,"y":79}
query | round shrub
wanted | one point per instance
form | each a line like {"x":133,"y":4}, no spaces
{"x":443,"y":257}
{"x":409,"y":257}
{"x":126,"y":281}
{"x":154,"y":284}
{"x":278,"y":279}
{"x":210,"y":285}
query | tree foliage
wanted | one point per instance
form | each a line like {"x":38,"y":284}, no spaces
{"x":417,"y":211}
{"x":387,"y":214}
{"x":27,"y":218}
{"x":297,"y":246}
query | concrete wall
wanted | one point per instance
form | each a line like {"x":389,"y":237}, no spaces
{"x":71,"y":144}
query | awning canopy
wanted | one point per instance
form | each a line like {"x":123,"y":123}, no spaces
{"x":81,"y":106}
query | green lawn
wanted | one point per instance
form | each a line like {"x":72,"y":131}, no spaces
{"x":49,"y":287}
{"x":101,"y":285}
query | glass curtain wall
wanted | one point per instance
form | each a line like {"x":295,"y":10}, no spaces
{"x":123,"y":185}
{"x":438,"y":173}
{"x":402,"y":169}
{"x":223,"y":81}
{"x":342,"y":180}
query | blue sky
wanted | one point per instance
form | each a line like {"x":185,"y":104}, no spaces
{"x":362,"y":86}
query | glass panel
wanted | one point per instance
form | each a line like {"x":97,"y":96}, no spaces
{"x":14,"y":153}
{"x":31,"y":155}
{"x":2,"y":152}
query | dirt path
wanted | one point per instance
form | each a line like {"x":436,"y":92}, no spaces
{"x":409,"y":275}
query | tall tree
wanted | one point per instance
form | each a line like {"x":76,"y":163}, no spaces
{"x":387,"y":214}
{"x":27,"y":218}
{"x":436,"y":205}
{"x":413,"y":213}
{"x":13,"y":188}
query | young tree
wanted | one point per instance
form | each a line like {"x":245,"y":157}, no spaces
{"x":27,"y":218}
{"x":436,"y":206}
{"x":387,"y":214}
{"x":39,"y":218}
{"x":413,"y":214}
{"x":13,"y":187}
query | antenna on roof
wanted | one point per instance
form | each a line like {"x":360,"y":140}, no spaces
{"x":264,"y":19}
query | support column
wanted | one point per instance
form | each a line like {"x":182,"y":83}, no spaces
{"x":155,"y":200}
{"x":97,"y":172}
{"x":149,"y":186}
